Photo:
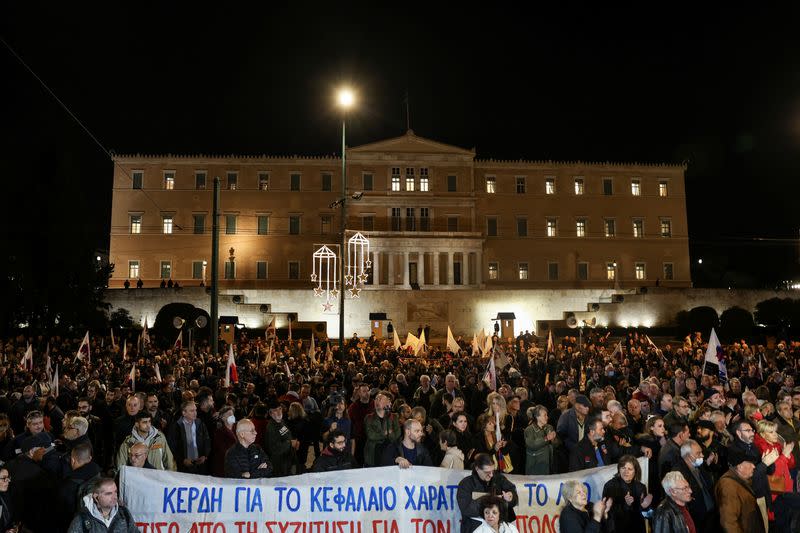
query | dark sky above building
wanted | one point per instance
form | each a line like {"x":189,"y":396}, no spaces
{"x":719,"y":89}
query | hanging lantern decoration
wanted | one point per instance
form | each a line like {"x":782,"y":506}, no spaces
{"x":358,"y":263}
{"x":324,"y":275}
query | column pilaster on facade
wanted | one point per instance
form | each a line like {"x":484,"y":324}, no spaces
{"x":465,"y":268}
{"x":404,"y":268}
{"x":390,"y":267}
{"x":436,"y":256}
{"x":376,"y":268}
{"x":449,"y":268}
{"x":421,"y":268}
{"x":478,"y":268}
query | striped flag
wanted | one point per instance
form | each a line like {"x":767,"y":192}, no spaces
{"x":231,"y":374}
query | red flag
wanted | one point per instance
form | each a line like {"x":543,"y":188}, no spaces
{"x":178,"y":342}
{"x":231,"y":374}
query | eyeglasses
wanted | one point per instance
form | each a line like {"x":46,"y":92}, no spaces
{"x":5,"y":478}
{"x":687,"y":487}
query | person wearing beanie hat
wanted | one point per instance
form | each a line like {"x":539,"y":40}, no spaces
{"x":738,"y":508}
{"x":571,"y":424}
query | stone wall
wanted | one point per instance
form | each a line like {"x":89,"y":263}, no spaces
{"x":465,"y":311}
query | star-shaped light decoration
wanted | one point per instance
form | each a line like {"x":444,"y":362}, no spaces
{"x":334,"y":293}
{"x":318,"y":292}
{"x":354,"y":292}
{"x":327,"y":307}
{"x":314,"y":277}
{"x":368,"y":264}
{"x":362,"y":278}
{"x":348,"y":279}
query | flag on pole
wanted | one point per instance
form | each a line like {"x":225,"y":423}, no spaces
{"x":481,"y":340}
{"x":452,"y":345}
{"x":328,"y":353}
{"x":716,"y":355}
{"x":476,"y":350}
{"x":421,"y":344}
{"x":113,"y":342}
{"x":288,"y":372}
{"x":158,"y":373}
{"x":145,"y":334}
{"x":178,"y":345}
{"x":268,"y":358}
{"x":231,"y":374}
{"x":47,"y":367}
{"x":363,"y":357}
{"x":132,"y":377}
{"x":124,"y":350}
{"x":487,"y":348}
{"x":490,"y":377}
{"x":550,"y":346}
{"x":653,"y":345}
{"x":617,"y":350}
{"x":27,"y":361}
{"x":411,"y":341}
{"x":47,"y":350}
{"x":290,"y":330}
{"x":84,"y":350}
{"x":397,"y":344}
{"x":312,"y":351}
{"x":270,"y":329}
{"x":54,"y":384}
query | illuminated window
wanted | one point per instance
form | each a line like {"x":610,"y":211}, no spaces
{"x":669,"y":270}
{"x":611,"y":271}
{"x":136,"y":223}
{"x":410,"y":179}
{"x":580,"y":227}
{"x":166,"y":269}
{"x":638,"y":228}
{"x":167,"y":224}
{"x":523,"y":270}
{"x":663,"y":189}
{"x":263,"y":181}
{"x":579,"y":186}
{"x":424,"y":184}
{"x":133,"y":269}
{"x":639,"y":269}
{"x":550,"y":186}
{"x":610,"y":226}
{"x":233,"y":181}
{"x":552,"y":227}
{"x":491,"y":184}
{"x":493,"y":270}
{"x":666,"y":227}
{"x":636,"y":187}
{"x":395,"y":178}
{"x":521,"y":185}
{"x":169,"y":180}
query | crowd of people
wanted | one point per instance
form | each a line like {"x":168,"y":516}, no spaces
{"x":721,"y":448}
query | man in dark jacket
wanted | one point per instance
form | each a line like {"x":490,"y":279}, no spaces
{"x":571,"y":423}
{"x":671,"y":516}
{"x":742,"y":444}
{"x":246,"y":459}
{"x":594,"y":450}
{"x":189,"y":440}
{"x":124,"y":424}
{"x":703,"y":508}
{"x":280,"y":444}
{"x":335,"y":455}
{"x":670,"y":455}
{"x":484,"y":480}
{"x":84,"y":471}
{"x":409,"y":450}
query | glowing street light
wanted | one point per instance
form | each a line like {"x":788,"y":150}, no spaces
{"x":346,"y":99}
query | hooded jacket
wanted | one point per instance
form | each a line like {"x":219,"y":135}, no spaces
{"x":90,"y":520}
{"x":159,"y":453}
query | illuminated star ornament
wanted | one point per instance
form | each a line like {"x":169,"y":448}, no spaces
{"x":327,"y":307}
{"x":348,"y":279}
{"x":354,"y":292}
{"x":323,"y":275}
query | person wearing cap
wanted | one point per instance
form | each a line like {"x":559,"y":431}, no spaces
{"x":32,"y":483}
{"x":738,"y":509}
{"x":571,"y":424}
{"x":279,"y":442}
{"x":712,"y":448}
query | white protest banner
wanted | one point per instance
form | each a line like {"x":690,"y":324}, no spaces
{"x":376,"y":500}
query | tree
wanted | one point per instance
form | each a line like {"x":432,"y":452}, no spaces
{"x":735,"y":323}
{"x":702,"y":319}
{"x":121,"y":319}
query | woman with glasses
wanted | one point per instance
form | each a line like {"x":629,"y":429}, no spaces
{"x":6,"y":516}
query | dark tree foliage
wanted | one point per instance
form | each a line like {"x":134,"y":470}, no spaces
{"x":735,"y":323}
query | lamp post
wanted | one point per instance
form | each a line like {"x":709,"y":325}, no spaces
{"x":345,"y":100}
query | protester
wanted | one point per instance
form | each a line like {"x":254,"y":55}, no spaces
{"x":246,"y":459}
{"x":408,"y":451}
{"x":693,"y":468}
{"x":7,"y":524}
{"x":335,"y":455}
{"x":223,"y":438}
{"x":159,"y":452}
{"x":101,"y":512}
{"x":578,"y":515}
{"x":453,"y":457}
{"x":483,"y":480}
{"x":629,"y":496}
{"x":672,"y":516}
{"x":492,"y":519}
{"x":738,"y":508}
{"x":539,"y":437}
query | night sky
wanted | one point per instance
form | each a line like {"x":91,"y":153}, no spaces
{"x":719,"y":89}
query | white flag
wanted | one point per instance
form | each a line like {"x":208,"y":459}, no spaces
{"x":158,"y":373}
{"x":481,"y":340}
{"x":487,"y":348}
{"x":452,"y":345}
{"x":550,"y":346}
{"x":312,"y":352}
{"x":231,"y":373}
{"x":617,"y":350}
{"x":27,"y":361}
{"x":411,"y":341}
{"x":84,"y":350}
{"x":178,"y":344}
{"x":145,"y":334}
{"x":124,"y":350}
{"x":288,"y":372}
{"x":268,"y":358}
{"x":711,"y":351}
{"x":420,"y":344}
{"x":54,"y":384}
{"x":132,"y":377}
{"x":329,"y":353}
{"x":490,"y":378}
{"x":113,"y":342}
{"x":397,"y":344}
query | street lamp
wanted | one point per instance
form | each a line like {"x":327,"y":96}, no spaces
{"x":345,"y":99}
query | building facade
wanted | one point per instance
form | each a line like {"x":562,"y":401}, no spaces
{"x":437,"y":218}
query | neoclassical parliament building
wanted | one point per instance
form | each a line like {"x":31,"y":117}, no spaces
{"x":437,"y":218}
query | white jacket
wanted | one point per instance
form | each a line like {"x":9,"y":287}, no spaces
{"x":505,"y":527}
